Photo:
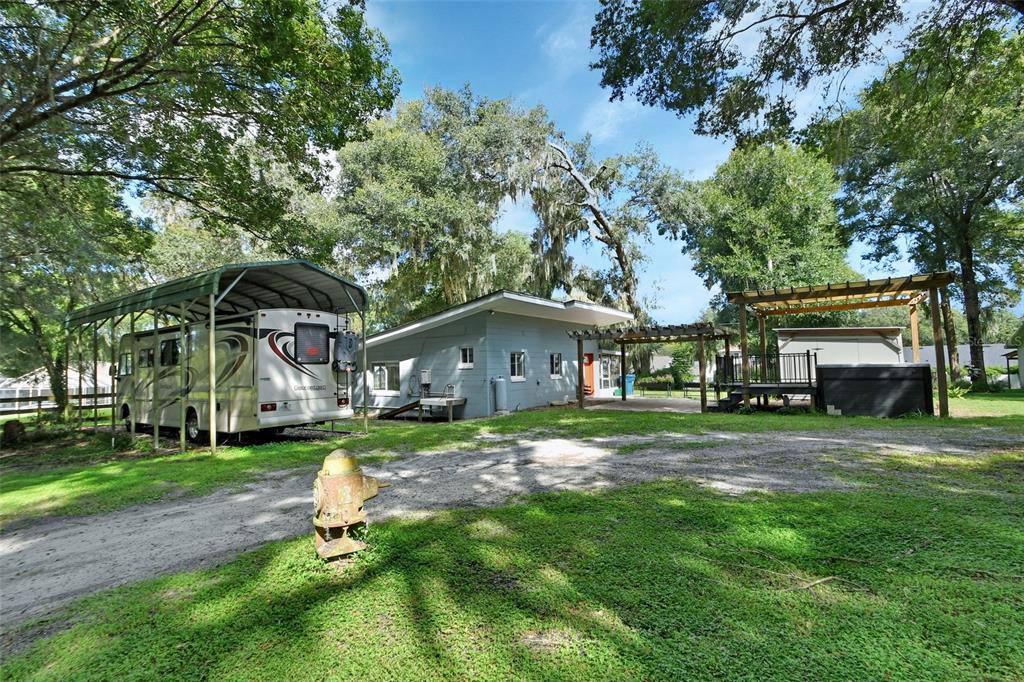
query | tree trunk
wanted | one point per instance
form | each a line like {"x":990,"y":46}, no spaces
{"x":972,"y":310}
{"x":951,"y":340}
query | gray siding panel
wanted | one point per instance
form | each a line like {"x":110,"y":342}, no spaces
{"x":538,"y":338}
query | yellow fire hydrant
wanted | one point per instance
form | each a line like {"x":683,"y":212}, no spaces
{"x":338,"y":495}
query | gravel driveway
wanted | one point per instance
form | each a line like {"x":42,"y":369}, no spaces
{"x":47,"y":563}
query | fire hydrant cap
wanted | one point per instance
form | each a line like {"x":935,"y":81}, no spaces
{"x":340,"y":462}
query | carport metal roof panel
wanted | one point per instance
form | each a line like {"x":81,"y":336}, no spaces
{"x":238,"y":288}
{"x":867,"y":293}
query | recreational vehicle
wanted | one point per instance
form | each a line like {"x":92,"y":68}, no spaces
{"x":275,"y":368}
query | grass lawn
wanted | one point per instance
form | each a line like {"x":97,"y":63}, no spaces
{"x":80,"y":474}
{"x":915,"y":575}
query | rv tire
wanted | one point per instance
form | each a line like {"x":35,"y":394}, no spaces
{"x":192,"y":431}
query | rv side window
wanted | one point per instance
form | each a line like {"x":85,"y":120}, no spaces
{"x":145,"y":357}
{"x":124,"y":364}
{"x":311,"y":343}
{"x":169,"y":352}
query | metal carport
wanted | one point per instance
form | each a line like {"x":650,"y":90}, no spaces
{"x":227,"y":290}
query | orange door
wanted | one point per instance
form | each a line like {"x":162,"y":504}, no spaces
{"x":588,"y":373}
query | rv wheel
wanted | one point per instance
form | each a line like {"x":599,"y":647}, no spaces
{"x":192,"y":432}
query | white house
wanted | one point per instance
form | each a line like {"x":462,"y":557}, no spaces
{"x":506,"y":342}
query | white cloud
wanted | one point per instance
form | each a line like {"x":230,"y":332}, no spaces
{"x":567,"y":45}
{"x":604,"y":119}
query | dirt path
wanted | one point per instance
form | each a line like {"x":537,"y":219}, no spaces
{"x":45,"y":564}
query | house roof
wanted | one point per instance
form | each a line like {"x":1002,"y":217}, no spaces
{"x":237,"y":288}
{"x":514,"y":303}
{"x":839,"y":331}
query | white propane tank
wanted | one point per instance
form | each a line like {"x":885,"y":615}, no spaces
{"x":500,"y":395}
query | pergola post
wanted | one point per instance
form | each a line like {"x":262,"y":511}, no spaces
{"x":940,"y":359}
{"x":763,"y":346}
{"x":744,"y":367}
{"x":703,"y":366}
{"x":915,"y":334}
{"x":155,"y":411}
{"x":212,"y":357}
{"x":579,"y":371}
{"x":727,"y":365}
{"x":622,"y":368}
{"x":67,"y":374}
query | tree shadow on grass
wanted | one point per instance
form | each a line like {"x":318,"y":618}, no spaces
{"x":659,"y":581}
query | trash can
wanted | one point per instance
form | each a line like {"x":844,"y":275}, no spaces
{"x":630,"y":380}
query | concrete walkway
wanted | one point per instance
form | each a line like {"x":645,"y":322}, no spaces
{"x":47,"y":563}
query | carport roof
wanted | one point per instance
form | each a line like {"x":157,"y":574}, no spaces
{"x":237,"y":288}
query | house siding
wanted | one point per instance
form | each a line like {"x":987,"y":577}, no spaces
{"x":537,"y":338}
{"x":493,"y":338}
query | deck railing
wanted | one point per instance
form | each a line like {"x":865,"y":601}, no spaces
{"x":773,"y":368}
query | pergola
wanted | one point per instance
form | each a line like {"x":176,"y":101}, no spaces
{"x":699,"y":332}
{"x":908,"y":291}
{"x":202,"y":298}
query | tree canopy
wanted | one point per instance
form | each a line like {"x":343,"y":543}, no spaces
{"x":421,"y":195}
{"x":739,"y":65}
{"x":194,"y":100}
{"x":766,"y":218}
{"x":932,"y":161}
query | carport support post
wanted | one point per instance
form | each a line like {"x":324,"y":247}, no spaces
{"x":744,"y":367}
{"x":366,"y":374}
{"x":78,"y":347}
{"x":113,"y":379}
{"x":155,"y":411}
{"x":622,"y":368}
{"x":940,"y":359}
{"x":703,"y":366}
{"x":95,"y":373}
{"x":579,"y":371}
{"x":212,"y":355}
{"x":182,"y":380}
{"x":132,"y":382}
{"x":915,"y":334}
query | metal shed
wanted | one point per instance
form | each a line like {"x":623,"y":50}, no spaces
{"x":227,"y":290}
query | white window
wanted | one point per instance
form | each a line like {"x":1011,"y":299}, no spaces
{"x":556,"y":365}
{"x":466,"y":357}
{"x":517,"y":368}
{"x":386,"y":378}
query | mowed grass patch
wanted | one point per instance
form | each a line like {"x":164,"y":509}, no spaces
{"x":1001,"y":404}
{"x":68,"y":482}
{"x":659,"y":581}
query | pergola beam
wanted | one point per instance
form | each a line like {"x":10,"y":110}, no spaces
{"x":833,"y":307}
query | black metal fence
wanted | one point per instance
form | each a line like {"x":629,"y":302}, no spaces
{"x":774,"y":368}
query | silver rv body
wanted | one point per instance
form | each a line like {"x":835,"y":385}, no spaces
{"x":276,"y":367}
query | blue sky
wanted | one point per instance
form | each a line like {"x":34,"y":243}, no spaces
{"x":538,"y":53}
